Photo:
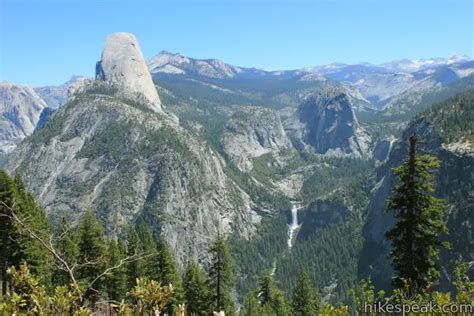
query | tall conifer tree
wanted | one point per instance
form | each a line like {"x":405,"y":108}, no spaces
{"x":305,"y":300}
{"x":147,"y":248}
{"x":197,"y":292}
{"x":419,"y":221}
{"x":167,"y":273}
{"x":8,"y":192}
{"x":17,"y":244}
{"x":92,"y":254}
{"x":135,"y":267}
{"x":116,"y":281}
{"x":222,"y":276}
{"x":270,"y":297}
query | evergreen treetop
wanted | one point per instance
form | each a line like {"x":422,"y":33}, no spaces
{"x":197,"y":292}
{"x":222,"y":275}
{"x":305,"y":301}
{"x":419,"y":221}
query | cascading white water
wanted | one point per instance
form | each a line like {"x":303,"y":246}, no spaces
{"x":274,"y":267}
{"x":293,"y":226}
{"x":389,"y":149}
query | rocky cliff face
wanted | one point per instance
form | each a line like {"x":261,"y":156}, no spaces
{"x":122,"y":64}
{"x":107,"y":151}
{"x":252,"y":132}
{"x":114,"y":156}
{"x":454,"y":183}
{"x":20,"y":109}
{"x":326,"y":123}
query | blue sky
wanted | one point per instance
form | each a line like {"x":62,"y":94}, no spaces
{"x":45,"y":42}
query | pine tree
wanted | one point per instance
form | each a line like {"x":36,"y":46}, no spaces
{"x":8,"y":192}
{"x":167,"y":273}
{"x":31,"y":250}
{"x":222,"y":276}
{"x":305,"y":300}
{"x":135,"y":267}
{"x":197,"y":292}
{"x":158,"y":263}
{"x":251,"y":306}
{"x":147,"y":247}
{"x":17,"y":245}
{"x":116,"y":281}
{"x":68,"y":249}
{"x":92,"y":254}
{"x":266,"y":286}
{"x":419,"y":221}
{"x":270,"y":297}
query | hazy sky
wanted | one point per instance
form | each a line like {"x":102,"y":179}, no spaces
{"x":45,"y":42}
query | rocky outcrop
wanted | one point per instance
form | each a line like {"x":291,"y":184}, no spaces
{"x":122,"y":65}
{"x":252,"y":132}
{"x":102,"y":153}
{"x":381,"y":151}
{"x":20,"y":109}
{"x":45,"y":116}
{"x":55,"y":96}
{"x":454,"y":183}
{"x":326,"y":123}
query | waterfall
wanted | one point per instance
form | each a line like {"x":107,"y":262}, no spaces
{"x":274,"y":267}
{"x":293,"y":226}
{"x":389,"y":149}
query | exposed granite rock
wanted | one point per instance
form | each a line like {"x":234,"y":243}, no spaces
{"x":101,"y":152}
{"x":252,"y":132}
{"x":45,"y":116}
{"x":122,"y":64}
{"x":326,"y":123}
{"x":454,"y":180}
{"x":20,"y":109}
{"x":381,"y":151}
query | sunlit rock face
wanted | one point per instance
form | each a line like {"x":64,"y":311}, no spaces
{"x":20,"y":109}
{"x":326,"y":124}
{"x":252,"y":132}
{"x":122,"y":64}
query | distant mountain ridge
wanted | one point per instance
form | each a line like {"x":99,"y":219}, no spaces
{"x":56,"y":95}
{"x":370,"y":87}
{"x":376,"y":84}
{"x":412,"y":65}
{"x":404,"y":65}
{"x":175,"y":63}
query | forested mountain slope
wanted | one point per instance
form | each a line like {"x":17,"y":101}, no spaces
{"x":445,"y":130}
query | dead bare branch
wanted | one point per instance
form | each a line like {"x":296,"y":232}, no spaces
{"x":70,"y":268}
